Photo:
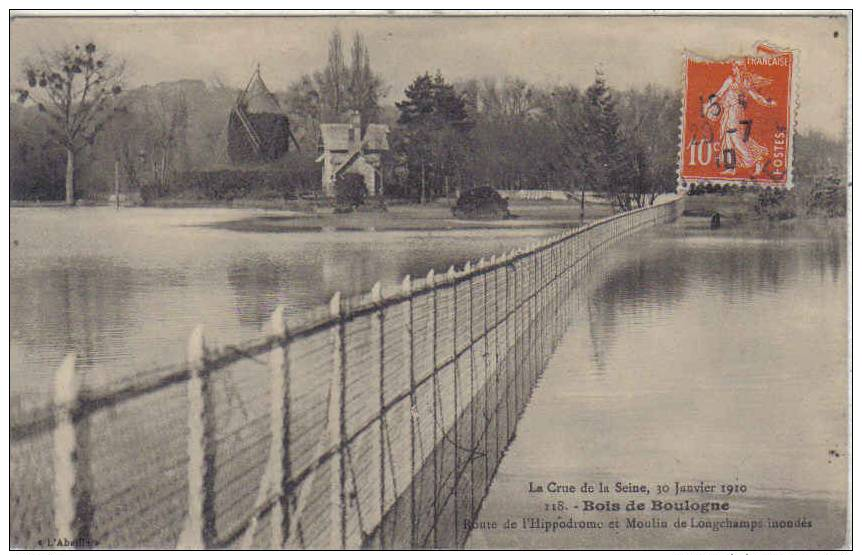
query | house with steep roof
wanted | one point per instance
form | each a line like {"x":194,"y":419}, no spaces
{"x":350,"y":148}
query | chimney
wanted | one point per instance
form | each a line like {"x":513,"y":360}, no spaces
{"x":356,"y":124}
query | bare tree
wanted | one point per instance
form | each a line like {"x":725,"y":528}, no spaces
{"x":339,"y":87}
{"x":169,"y":115}
{"x":73,"y":87}
{"x":649,"y":127}
{"x":333,"y":80}
{"x":366,"y":87}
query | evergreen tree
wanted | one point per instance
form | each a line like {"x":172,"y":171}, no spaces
{"x":432,"y":139}
{"x":605,"y":148}
{"x":566,"y":115}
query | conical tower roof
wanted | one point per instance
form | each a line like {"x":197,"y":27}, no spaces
{"x":256,"y":99}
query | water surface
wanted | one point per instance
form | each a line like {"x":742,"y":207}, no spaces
{"x":704,"y":358}
{"x":125,"y":288}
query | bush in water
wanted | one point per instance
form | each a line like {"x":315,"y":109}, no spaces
{"x":481,"y":202}
{"x":350,"y":191}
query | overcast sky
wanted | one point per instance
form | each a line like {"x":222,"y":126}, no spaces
{"x":633,"y":51}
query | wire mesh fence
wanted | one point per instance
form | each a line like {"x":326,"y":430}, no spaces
{"x":379,"y":422}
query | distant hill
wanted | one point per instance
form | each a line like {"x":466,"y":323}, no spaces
{"x":209,"y":107}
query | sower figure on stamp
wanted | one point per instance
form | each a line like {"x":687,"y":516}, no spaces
{"x":737,"y":146}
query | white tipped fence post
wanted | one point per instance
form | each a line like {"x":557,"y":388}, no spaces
{"x":377,"y":340}
{"x":407,"y":291}
{"x":520,"y":337}
{"x":496,"y":263}
{"x":199,"y":530}
{"x":496,"y":363}
{"x":279,"y":366}
{"x":450,"y":276}
{"x":468,"y":269}
{"x":511,"y":336}
{"x":337,"y":429}
{"x":432,"y":339}
{"x":275,"y":479}
{"x":73,"y":510}
{"x":486,"y":361}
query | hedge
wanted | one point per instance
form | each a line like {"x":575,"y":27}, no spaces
{"x":225,"y":185}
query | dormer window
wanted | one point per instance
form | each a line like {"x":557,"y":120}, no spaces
{"x":351,"y":135}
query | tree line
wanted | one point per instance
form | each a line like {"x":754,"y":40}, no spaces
{"x":510,"y":134}
{"x":75,"y":119}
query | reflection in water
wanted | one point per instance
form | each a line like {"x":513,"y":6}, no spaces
{"x":54,"y":306}
{"x":308,"y":275}
{"x":649,"y":278}
{"x":705,"y":358}
{"x":643,"y":277}
{"x":257,"y":282}
{"x":125,"y":288}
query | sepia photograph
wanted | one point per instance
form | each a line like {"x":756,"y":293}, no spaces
{"x":467,"y":280}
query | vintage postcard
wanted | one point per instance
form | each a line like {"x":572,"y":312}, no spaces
{"x":449,"y":280}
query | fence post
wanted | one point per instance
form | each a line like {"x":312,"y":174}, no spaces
{"x":566,"y":261}
{"x":541,"y":312}
{"x":563,"y":261}
{"x":535,"y":340}
{"x":533,"y":292}
{"x":570,"y":277}
{"x":519,"y":347}
{"x":550,"y":281}
{"x":486,"y":384}
{"x":274,"y":482}
{"x":450,"y":276}
{"x":407,"y":289}
{"x":199,"y":530}
{"x":497,"y":324}
{"x":574,"y":280}
{"x":429,"y":282}
{"x":551,"y":305}
{"x":468,"y":269}
{"x":336,"y":425}
{"x":558,"y":289}
{"x":377,"y":331}
{"x":73,"y":510}
{"x":559,"y":274}
{"x":279,"y":366}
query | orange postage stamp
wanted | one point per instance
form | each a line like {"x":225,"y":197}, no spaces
{"x":738,"y":119}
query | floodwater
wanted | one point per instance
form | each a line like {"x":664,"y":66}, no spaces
{"x":699,"y":358}
{"x":707,"y":359}
{"x":125,"y":288}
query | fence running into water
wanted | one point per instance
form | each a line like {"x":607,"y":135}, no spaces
{"x":379,"y":422}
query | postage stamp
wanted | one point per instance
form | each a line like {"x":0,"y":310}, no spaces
{"x":738,"y":118}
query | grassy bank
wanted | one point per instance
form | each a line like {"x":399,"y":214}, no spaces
{"x":800,"y":228}
{"x":804,"y":210}
{"x":435,"y":216}
{"x":299,"y":215}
